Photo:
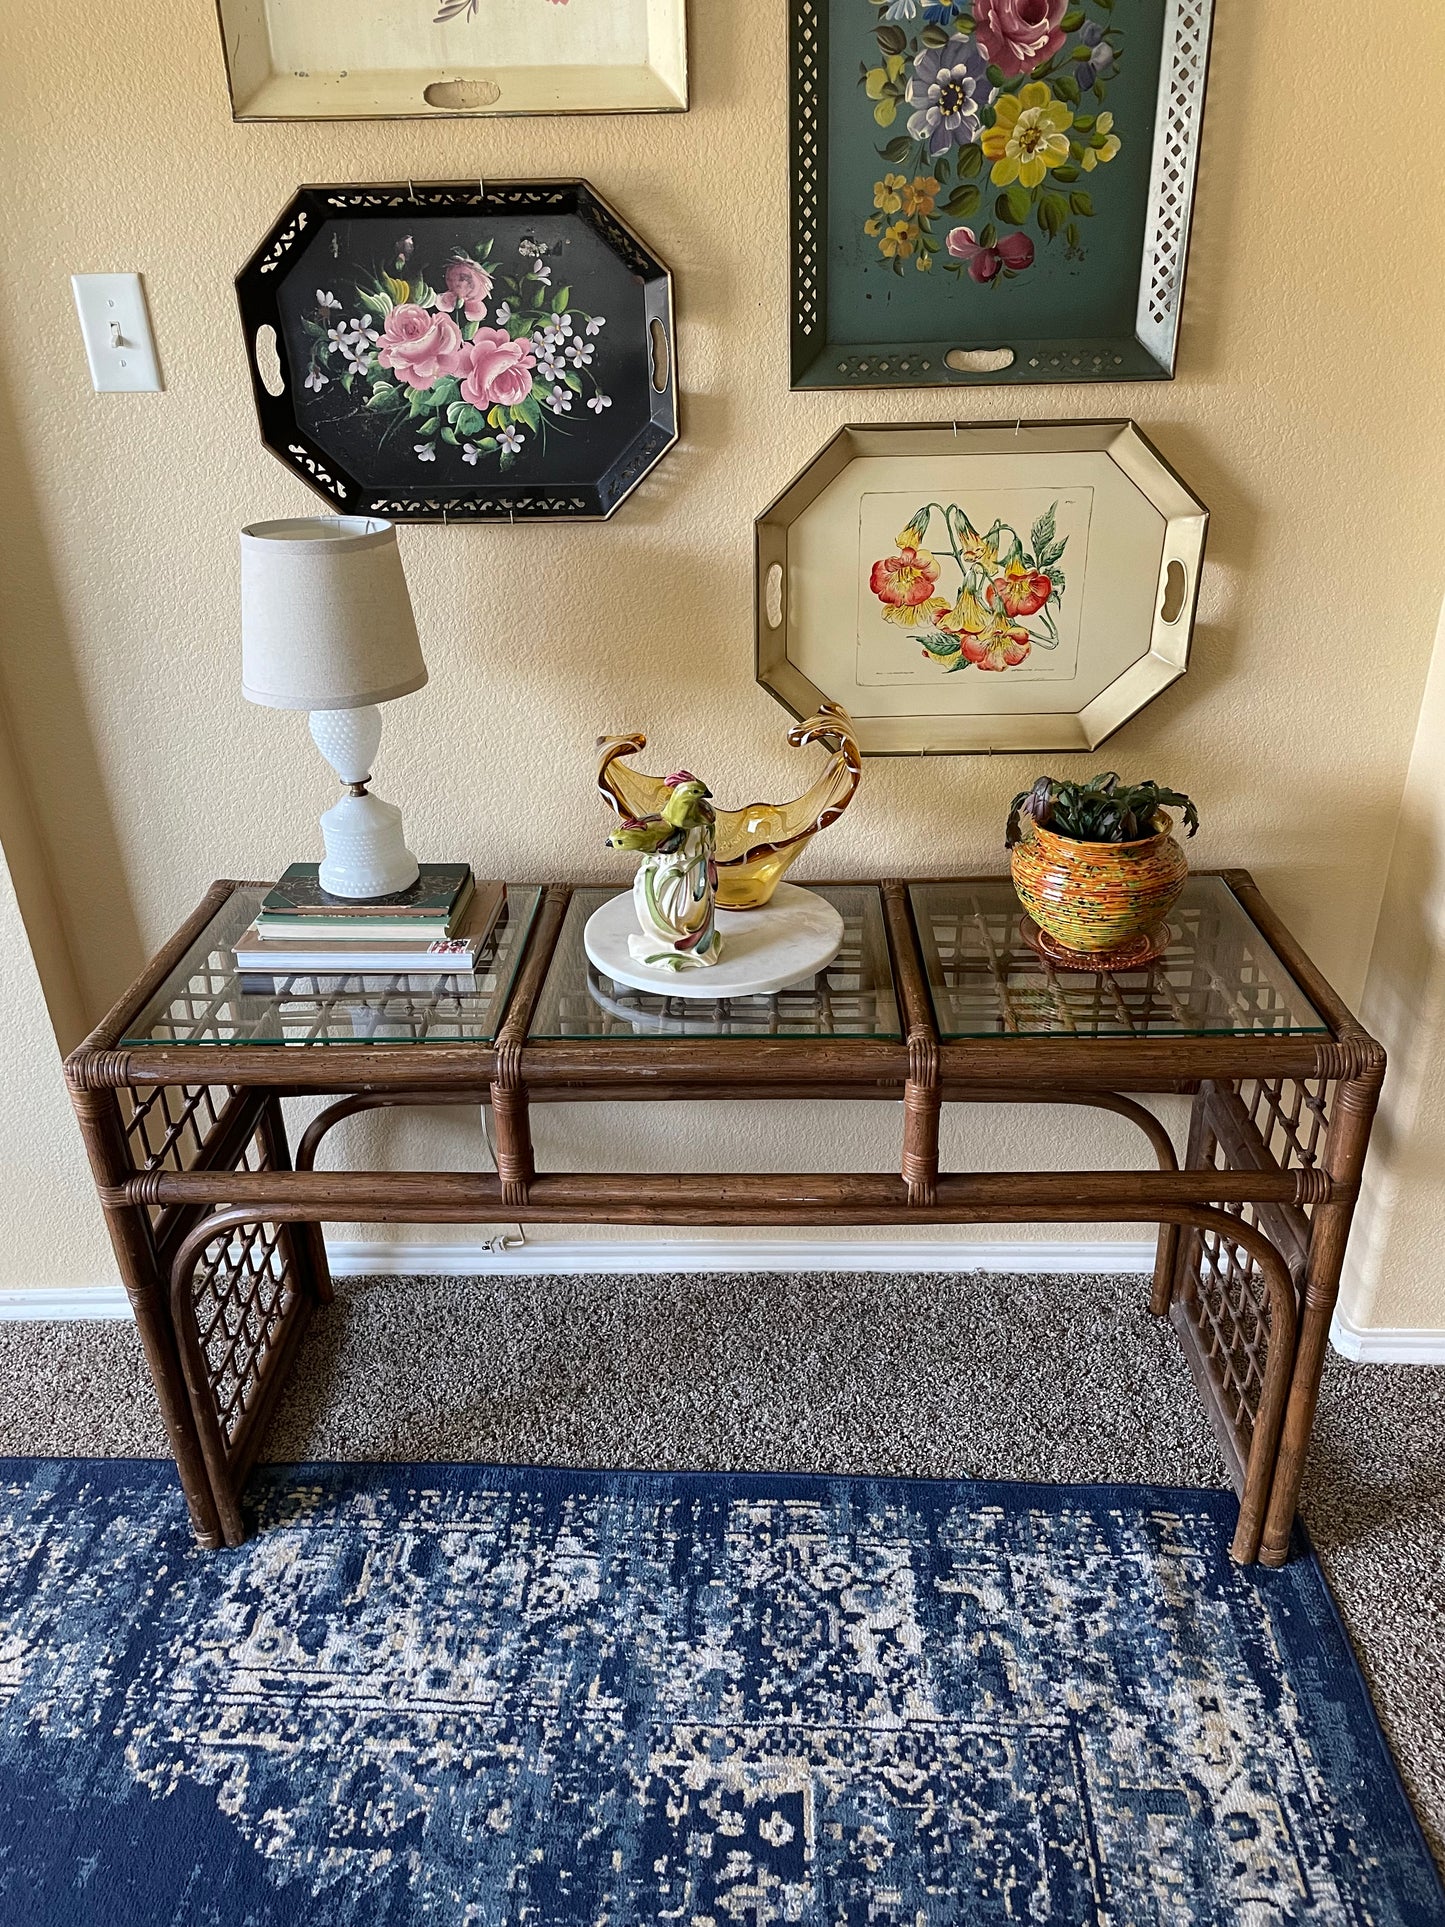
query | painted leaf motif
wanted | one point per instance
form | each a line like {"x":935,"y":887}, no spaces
{"x":1053,"y":212}
{"x":1042,"y":534}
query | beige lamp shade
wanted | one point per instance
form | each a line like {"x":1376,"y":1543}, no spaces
{"x":326,"y":621}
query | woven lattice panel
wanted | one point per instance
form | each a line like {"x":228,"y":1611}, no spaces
{"x":242,"y":1292}
{"x":1291,"y":1118}
{"x":1225,"y":1296}
{"x":168,"y":1126}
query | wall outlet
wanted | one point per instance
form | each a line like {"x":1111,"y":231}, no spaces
{"x":117,"y":330}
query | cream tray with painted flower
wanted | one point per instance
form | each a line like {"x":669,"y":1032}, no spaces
{"x":988,"y":587}
{"x":424,"y":59}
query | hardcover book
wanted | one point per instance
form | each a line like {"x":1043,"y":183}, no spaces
{"x":435,"y":894}
{"x":356,"y":952}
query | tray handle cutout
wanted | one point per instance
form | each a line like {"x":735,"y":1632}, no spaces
{"x":461,"y":96}
{"x":979,"y":361}
{"x":773,"y":595}
{"x":660,"y":367}
{"x":1176,"y":592}
{"x":268,"y":360}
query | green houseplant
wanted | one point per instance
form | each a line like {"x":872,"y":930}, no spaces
{"x":1096,"y":866}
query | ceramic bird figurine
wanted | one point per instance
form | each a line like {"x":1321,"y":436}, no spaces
{"x":676,"y":883}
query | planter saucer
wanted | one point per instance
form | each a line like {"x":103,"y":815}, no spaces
{"x":1137,"y":954}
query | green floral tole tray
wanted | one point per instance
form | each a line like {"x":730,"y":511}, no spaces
{"x":992,"y":190}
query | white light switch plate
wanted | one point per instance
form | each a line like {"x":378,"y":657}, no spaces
{"x":117,"y":330}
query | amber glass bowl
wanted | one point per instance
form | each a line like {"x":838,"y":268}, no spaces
{"x":757,"y":843}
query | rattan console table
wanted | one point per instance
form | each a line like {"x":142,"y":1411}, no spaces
{"x":933,"y":999}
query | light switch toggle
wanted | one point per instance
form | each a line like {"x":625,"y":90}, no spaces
{"x":117,"y":331}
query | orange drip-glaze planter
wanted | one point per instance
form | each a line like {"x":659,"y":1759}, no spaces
{"x":1097,"y":897}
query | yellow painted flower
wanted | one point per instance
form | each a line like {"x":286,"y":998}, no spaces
{"x":873,"y":225}
{"x":881,"y":86}
{"x":1029,"y":135}
{"x":924,"y":262}
{"x":888,"y":193}
{"x":899,"y":239}
{"x":986,"y":637}
{"x":920,"y":194}
{"x":1104,"y":146}
{"x":979,"y":550}
{"x":967,"y":617}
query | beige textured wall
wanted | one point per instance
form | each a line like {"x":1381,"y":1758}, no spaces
{"x":1305,"y":414}
{"x":51,"y":1234}
{"x":1394,"y":1272}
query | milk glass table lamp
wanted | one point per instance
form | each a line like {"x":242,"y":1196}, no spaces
{"x":326,"y":625}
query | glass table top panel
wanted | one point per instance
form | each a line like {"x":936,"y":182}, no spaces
{"x":1218,"y":978}
{"x":206,"y":1000}
{"x":853,"y":997}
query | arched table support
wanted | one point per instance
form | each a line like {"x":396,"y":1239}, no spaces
{"x":228,"y":1459}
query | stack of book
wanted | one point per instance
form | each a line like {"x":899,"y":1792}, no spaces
{"x":437,"y":927}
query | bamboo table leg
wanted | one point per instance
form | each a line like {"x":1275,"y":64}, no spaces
{"x":922,"y":1093}
{"x":1344,"y":1156}
{"x":130,"y":1237}
{"x":1198,"y":1156}
{"x":306,"y":1248}
{"x":516,"y":1164}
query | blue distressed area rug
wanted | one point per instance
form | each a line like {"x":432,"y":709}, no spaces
{"x":522,"y":1698}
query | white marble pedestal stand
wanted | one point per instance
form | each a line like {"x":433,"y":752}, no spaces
{"x":790,"y":939}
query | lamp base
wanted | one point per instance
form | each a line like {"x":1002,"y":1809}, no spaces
{"x":366,"y":853}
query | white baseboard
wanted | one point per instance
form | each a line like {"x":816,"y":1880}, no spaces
{"x":613,"y":1256}
{"x":1387,"y":1344}
{"x":49,"y":1301}
{"x":1401,"y":1345}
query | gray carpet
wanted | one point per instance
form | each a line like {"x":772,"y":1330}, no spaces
{"x":1062,"y":1378}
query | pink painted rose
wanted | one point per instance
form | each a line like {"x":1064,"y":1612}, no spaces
{"x":419,"y":348}
{"x":499,"y":371}
{"x":1017,"y":34}
{"x":469,"y":287}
